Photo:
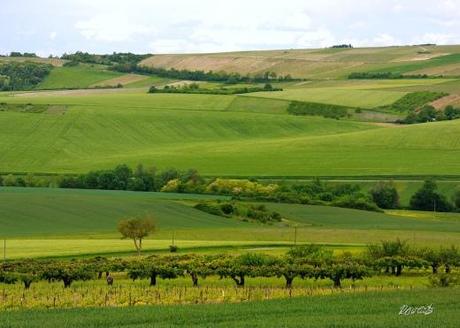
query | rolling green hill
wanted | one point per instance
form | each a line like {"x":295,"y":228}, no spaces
{"x":217,"y":135}
{"x":59,"y":222}
{"x":62,"y":212}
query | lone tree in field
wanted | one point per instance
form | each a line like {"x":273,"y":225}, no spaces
{"x":136,"y":228}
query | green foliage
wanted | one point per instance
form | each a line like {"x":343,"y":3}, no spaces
{"x":242,"y":211}
{"x":444,"y":280}
{"x":456,"y":198}
{"x":22,"y":75}
{"x":428,"y":199}
{"x":67,"y":272}
{"x":230,"y":78}
{"x":136,"y":228}
{"x":414,"y":100}
{"x":451,"y":113}
{"x":384,"y":76}
{"x":385,"y":195}
{"x":194,"y":88}
{"x":115,"y":58}
{"x":122,"y":177}
{"x":317,"y":109}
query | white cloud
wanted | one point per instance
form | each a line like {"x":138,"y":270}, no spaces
{"x":384,"y":40}
{"x":438,"y":38}
{"x":112,"y":28}
{"x":210,"y":25}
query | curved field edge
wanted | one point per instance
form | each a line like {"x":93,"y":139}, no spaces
{"x":371,"y":309}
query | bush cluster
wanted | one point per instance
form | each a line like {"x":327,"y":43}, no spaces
{"x":22,"y":75}
{"x":317,"y":109}
{"x":242,"y":211}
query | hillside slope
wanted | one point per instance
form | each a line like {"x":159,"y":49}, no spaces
{"x":320,"y":63}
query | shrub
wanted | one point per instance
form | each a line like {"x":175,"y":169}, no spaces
{"x":359,"y":202}
{"x":385,"y":195}
{"x":209,"y":208}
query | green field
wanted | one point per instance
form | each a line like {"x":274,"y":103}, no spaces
{"x":76,"y":77}
{"x":340,"y":310}
{"x":336,"y":96}
{"x":102,"y":130}
{"x":60,"y":222}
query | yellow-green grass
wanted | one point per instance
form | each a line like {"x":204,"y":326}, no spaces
{"x":81,"y":76}
{"x":341,"y":309}
{"x":96,"y":293}
{"x":345,"y":97}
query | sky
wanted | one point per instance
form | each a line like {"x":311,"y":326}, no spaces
{"x":183,"y":26}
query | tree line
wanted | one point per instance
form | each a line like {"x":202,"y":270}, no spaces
{"x":22,"y":75}
{"x":200,"y":75}
{"x":194,"y":88}
{"x":383,"y":195}
{"x":301,"y":262}
{"x":386,"y":76}
{"x":105,"y":59}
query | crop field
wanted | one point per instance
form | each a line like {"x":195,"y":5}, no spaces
{"x":377,"y":309}
{"x":167,"y":130}
{"x":76,"y":77}
{"x":59,"y":222}
{"x":322,"y":63}
{"x":345,"y":97}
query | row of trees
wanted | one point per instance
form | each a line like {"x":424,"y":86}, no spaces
{"x":22,"y":75}
{"x":199,"y":75}
{"x":123,"y":177}
{"x":385,"y":76}
{"x":194,"y":88}
{"x":106,"y":59}
{"x":383,"y":195}
{"x":311,"y":261}
{"x":25,"y":54}
{"x":427,"y":198}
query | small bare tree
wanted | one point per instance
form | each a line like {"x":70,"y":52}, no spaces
{"x":136,"y":228}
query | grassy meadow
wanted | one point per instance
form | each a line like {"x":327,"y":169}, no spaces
{"x":169,"y":130}
{"x":372,"y":309}
{"x":60,"y":222}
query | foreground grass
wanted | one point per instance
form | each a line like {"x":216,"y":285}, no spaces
{"x":340,"y":310}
